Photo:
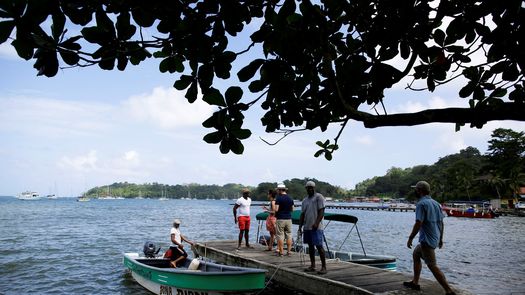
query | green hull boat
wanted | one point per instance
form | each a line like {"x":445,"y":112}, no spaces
{"x":196,"y":277}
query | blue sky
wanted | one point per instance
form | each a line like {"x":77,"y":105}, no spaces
{"x":87,"y":127}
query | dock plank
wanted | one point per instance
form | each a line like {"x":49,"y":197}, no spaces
{"x":342,"y":277}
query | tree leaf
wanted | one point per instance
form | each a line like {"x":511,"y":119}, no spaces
{"x":214,"y":97}
{"x":439,"y":37}
{"x":23,"y":47}
{"x":213,"y":137}
{"x":183,"y":82}
{"x":191,"y":94}
{"x":5,"y":30}
{"x":233,"y":95}
{"x":224,"y":147}
{"x":69,"y":57}
{"x":236,"y":146}
{"x":59,"y":20}
{"x":249,"y":71}
{"x":241,"y":133}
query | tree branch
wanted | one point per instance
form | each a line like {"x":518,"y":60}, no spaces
{"x":477,"y":116}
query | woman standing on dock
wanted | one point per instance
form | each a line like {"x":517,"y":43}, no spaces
{"x":270,"y":221}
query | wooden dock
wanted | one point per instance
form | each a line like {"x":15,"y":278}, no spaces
{"x":342,"y":277}
{"x":371,"y":208}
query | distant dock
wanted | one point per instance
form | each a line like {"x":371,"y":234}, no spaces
{"x":342,"y":277}
{"x":371,"y":208}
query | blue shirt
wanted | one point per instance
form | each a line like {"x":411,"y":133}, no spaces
{"x":429,"y":213}
{"x":285,"y":207}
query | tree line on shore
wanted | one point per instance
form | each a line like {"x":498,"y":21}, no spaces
{"x":467,"y":175}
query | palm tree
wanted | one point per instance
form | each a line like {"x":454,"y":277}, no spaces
{"x":515,"y":181}
{"x":496,"y":182}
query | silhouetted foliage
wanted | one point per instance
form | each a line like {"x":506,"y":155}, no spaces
{"x":307,"y":64}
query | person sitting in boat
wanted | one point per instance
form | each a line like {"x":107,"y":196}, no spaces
{"x":471,"y":210}
{"x":178,"y":254}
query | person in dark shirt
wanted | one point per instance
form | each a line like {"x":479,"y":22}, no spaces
{"x":283,"y":213}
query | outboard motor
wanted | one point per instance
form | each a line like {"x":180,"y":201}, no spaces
{"x":150,"y":250}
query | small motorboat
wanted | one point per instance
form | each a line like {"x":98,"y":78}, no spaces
{"x":469,"y":211}
{"x":195,"y":276}
{"x":375,"y":260}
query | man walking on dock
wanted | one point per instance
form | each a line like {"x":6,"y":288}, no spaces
{"x":312,"y":214}
{"x":429,"y":225}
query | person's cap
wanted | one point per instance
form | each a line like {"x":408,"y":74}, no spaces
{"x":245,"y":191}
{"x":281,"y":186}
{"x":422,"y":185}
{"x":176,"y":221}
{"x":310,"y":184}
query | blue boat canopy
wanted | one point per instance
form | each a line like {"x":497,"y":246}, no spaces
{"x":296,"y":214}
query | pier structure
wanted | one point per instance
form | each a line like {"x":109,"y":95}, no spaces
{"x":342,"y":277}
{"x":371,"y":208}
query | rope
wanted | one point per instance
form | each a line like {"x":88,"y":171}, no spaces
{"x":271,"y":277}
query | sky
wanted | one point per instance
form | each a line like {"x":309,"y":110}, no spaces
{"x":88,"y":127}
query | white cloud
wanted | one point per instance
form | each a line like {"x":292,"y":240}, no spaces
{"x":53,"y":118}
{"x":448,"y":142}
{"x":80,"y":163}
{"x":365,"y":140}
{"x":167,"y":108}
{"x":131,"y":156}
{"x":435,"y":102}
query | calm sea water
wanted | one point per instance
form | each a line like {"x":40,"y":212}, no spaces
{"x":68,"y":247}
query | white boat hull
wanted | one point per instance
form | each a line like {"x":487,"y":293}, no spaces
{"x":29,"y":196}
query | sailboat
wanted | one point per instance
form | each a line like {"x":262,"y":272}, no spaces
{"x":164,"y":195}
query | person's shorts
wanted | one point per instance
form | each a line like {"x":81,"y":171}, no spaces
{"x":426,"y":253}
{"x":243,"y":222}
{"x":313,"y":237}
{"x":284,"y":229}
{"x":177,"y":252}
{"x":270,"y":224}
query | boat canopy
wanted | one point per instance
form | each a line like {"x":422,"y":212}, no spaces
{"x":296,"y":214}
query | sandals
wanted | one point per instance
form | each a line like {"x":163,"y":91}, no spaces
{"x":412,"y":286}
{"x":309,"y":269}
{"x":322,"y":271}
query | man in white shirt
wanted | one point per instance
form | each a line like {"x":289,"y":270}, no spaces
{"x":243,"y":221}
{"x":178,"y":254}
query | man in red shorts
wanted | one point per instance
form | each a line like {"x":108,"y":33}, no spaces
{"x":243,"y":204}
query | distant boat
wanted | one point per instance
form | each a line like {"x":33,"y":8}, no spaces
{"x":51,"y":197}
{"x":193,"y":277}
{"x":464,"y":210}
{"x":29,"y":196}
{"x":471,"y":213}
{"x":83,"y":199}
